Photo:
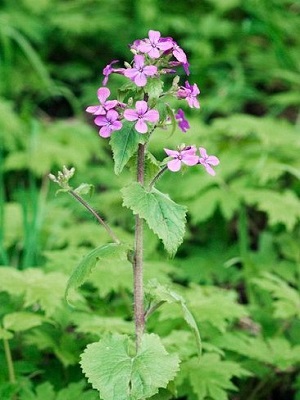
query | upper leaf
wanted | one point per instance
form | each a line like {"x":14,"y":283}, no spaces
{"x":117,"y":375}
{"x":84,"y":268}
{"x":124,"y":144}
{"x":163,"y":215}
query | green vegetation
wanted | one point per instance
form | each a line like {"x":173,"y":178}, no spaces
{"x":238,"y":269}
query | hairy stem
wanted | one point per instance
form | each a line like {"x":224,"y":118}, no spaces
{"x":9,"y":362}
{"x":95,"y":214}
{"x":139,"y":316}
{"x":157,"y":176}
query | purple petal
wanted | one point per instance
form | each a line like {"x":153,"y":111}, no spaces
{"x":130,"y":115}
{"x":112,"y":115}
{"x":191,"y":151}
{"x":210,"y":170}
{"x":141,"y":107}
{"x":101,"y":120}
{"x":150,"y":70}
{"x":105,"y":131}
{"x":141,"y":126}
{"x":154,"y":52}
{"x":103,"y":93}
{"x":110,"y":104}
{"x":203,"y":152}
{"x":154,"y":36}
{"x":172,"y":153}
{"x":165,"y":45}
{"x":213,"y":160}
{"x":190,"y":160}
{"x":116,"y":125}
{"x":151,"y":116}
{"x":92,"y":109}
{"x":139,"y":61}
{"x":140,"y":79}
{"x":145,"y":46}
{"x":174,"y":165}
{"x":130,"y":73}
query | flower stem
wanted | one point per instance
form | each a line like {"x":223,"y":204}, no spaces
{"x":139,"y":316}
{"x":9,"y":361}
{"x":157,"y":176}
{"x":95,"y":214}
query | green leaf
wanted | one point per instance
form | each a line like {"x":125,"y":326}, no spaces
{"x":118,"y":375}
{"x":4,"y":334}
{"x":211,"y":377}
{"x":154,"y":88}
{"x":162,"y":293}
{"x":124,"y":144}
{"x":22,"y":320}
{"x":163,"y":215}
{"x":85,"y":189}
{"x":83,"y":270}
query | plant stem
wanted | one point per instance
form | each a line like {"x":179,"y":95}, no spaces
{"x":95,"y":214}
{"x":139,"y":316}
{"x":157,"y":176}
{"x":9,"y":361}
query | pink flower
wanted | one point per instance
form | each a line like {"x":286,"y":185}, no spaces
{"x":141,"y":114}
{"x":109,"y":70}
{"x":189,"y":92}
{"x":187,"y":156}
{"x":103,"y":93}
{"x":154,"y":44}
{"x":109,"y":123}
{"x":139,"y":73}
{"x":207,"y":161}
{"x":182,"y":122}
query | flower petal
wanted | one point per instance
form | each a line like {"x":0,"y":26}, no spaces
{"x":190,"y":160}
{"x":103,"y":93}
{"x":172,"y":153}
{"x":213,"y":160}
{"x":141,"y":126}
{"x":151,"y":116}
{"x":174,"y":165}
{"x":141,"y":107}
{"x":130,"y":115}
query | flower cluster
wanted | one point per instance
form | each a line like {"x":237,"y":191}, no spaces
{"x":188,"y":155}
{"x":154,"y":57}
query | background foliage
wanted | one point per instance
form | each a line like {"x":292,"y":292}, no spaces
{"x":239,"y":267}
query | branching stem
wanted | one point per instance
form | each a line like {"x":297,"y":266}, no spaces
{"x":157,"y":176}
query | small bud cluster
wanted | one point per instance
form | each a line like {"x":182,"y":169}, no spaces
{"x":63,"y":177}
{"x":154,"y":57}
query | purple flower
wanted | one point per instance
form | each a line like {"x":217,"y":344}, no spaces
{"x":154,"y":44}
{"x":102,"y":93}
{"x":138,"y":74}
{"x":141,"y":114}
{"x":189,"y":92}
{"x":109,"y":123}
{"x":187,"y":156}
{"x":207,"y":161}
{"x":109,"y":70}
{"x":182,"y":122}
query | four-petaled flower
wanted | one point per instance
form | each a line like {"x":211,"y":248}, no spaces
{"x":109,"y":123}
{"x":103,"y":93}
{"x":207,"y":161}
{"x":182,"y":122}
{"x":141,"y":114}
{"x":138,"y":74}
{"x":153,"y":45}
{"x":189,"y":92}
{"x":186,"y":156}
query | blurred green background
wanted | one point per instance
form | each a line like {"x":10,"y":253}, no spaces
{"x":239,"y":267}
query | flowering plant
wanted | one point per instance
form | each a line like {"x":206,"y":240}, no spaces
{"x":130,"y":122}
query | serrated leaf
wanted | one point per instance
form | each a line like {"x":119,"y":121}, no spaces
{"x":163,"y":215}
{"x":118,"y":375}
{"x":22,"y":320}
{"x":211,"y":377}
{"x":84,"y":268}
{"x":124,"y":144}
{"x":165,"y":294}
{"x":154,"y":88}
